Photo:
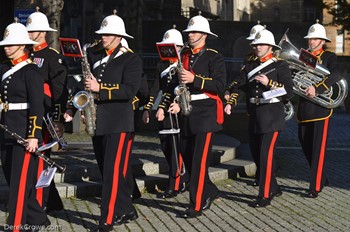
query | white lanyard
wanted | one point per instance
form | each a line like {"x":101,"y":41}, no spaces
{"x":261,"y":66}
{"x":15,"y":69}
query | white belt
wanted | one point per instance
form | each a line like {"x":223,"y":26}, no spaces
{"x":263,"y":101}
{"x":195,"y":97}
{"x":13,"y":106}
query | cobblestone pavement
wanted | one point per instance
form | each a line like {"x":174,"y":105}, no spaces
{"x":289,"y":212}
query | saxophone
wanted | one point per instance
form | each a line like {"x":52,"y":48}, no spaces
{"x":84,"y":100}
{"x":183,"y":95}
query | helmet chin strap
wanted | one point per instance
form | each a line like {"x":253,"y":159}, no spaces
{"x":197,"y":40}
{"x":317,"y":47}
{"x":112,"y":42}
{"x":35,"y":39}
{"x":15,"y":51}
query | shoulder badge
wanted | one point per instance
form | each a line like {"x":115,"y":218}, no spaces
{"x":209,"y":49}
{"x":54,"y":50}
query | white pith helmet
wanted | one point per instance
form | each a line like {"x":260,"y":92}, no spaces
{"x":37,"y":21}
{"x":172,"y":36}
{"x":255,"y":30}
{"x":317,"y":31}
{"x":265,"y":37}
{"x":113,"y":25}
{"x":200,"y":24}
{"x":16,"y":34}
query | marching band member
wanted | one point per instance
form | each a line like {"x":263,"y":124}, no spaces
{"x":166,"y":81}
{"x":313,"y":120}
{"x":266,"y":118}
{"x":204,"y":74}
{"x":55,"y":95}
{"x":116,"y":79}
{"x":22,"y":96}
{"x":139,"y":99}
{"x":250,"y":57}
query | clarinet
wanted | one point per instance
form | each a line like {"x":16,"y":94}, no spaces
{"x":38,"y":152}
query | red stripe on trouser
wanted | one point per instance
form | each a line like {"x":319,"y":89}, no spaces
{"x":115,"y":180}
{"x":40,"y":191}
{"x":269,"y":166}
{"x":21,"y":191}
{"x":177,"y":175}
{"x":128,"y":149}
{"x":202,"y":173}
{"x":321,"y":157}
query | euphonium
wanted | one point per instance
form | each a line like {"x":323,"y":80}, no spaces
{"x":183,"y":95}
{"x":84,"y":100}
{"x":305,"y":76}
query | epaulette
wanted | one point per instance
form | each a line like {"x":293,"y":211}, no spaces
{"x":54,"y":50}
{"x":210,"y":49}
{"x":251,"y":57}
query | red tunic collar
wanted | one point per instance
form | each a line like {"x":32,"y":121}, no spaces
{"x":266,"y":58}
{"x":197,"y":50}
{"x":19,"y":60}
{"x":110,"y":51}
{"x":40,"y":47}
{"x":317,"y":52}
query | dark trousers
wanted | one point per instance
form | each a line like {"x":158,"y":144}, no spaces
{"x":48,"y":197}
{"x":313,"y":140}
{"x":171,"y":149}
{"x":197,"y":155}
{"x":255,"y":152}
{"x":264,"y":146}
{"x":19,"y":168}
{"x":111,"y":154}
{"x":129,"y":176}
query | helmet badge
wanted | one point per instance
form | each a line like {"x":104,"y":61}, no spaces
{"x":6,"y":33}
{"x":104,"y":23}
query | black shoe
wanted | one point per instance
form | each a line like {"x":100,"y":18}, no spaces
{"x":326,"y":183}
{"x":210,"y":200}
{"x":169,"y":193}
{"x":189,"y":213}
{"x":276,"y":193}
{"x":255,"y":183}
{"x":185,"y":187}
{"x":260,"y":202}
{"x":41,"y":226}
{"x":103,"y":228}
{"x":49,"y":209}
{"x":125,"y":218}
{"x":136,"y":194}
{"x":311,"y":194}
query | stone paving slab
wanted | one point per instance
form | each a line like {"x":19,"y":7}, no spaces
{"x":290,"y":212}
